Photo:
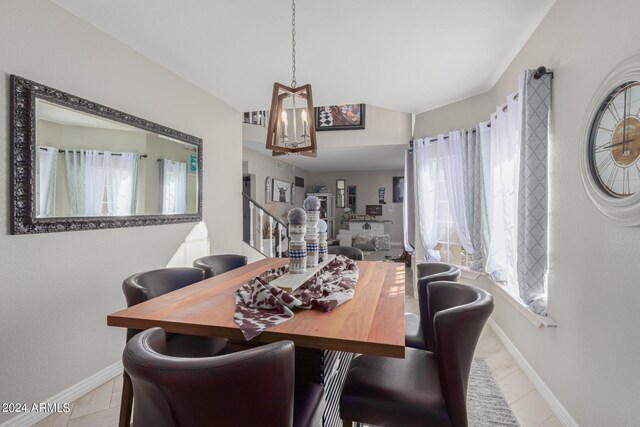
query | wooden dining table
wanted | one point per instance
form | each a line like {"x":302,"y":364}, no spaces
{"x":372,"y":322}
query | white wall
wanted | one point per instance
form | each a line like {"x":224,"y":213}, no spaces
{"x":367,"y":184}
{"x":459,"y":115}
{"x":590,"y":362}
{"x":260,"y":167}
{"x":382,"y":127}
{"x":58,"y":288}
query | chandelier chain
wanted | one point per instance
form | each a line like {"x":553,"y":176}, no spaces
{"x":294,"y":83}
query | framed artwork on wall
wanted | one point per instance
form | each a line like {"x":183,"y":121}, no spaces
{"x":373,"y":210}
{"x":281,"y":191}
{"x":340,"y":117}
{"x":398,"y":189}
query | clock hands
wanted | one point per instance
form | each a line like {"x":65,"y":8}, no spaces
{"x":616,"y":144}
{"x":625,"y":152}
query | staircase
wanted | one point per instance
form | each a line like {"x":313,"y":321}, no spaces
{"x":262,"y":231}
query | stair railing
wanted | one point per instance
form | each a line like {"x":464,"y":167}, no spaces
{"x":262,"y":223}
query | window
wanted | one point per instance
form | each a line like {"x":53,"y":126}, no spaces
{"x":449,"y":246}
{"x":504,"y":162}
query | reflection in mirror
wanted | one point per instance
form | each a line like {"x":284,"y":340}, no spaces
{"x":87,"y":165}
{"x":340,"y":187}
{"x":79,"y":165}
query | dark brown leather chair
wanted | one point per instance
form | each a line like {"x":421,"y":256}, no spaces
{"x":425,"y":388}
{"x":218,"y":264}
{"x":418,"y":332}
{"x":348,"y":251}
{"x":144,"y":286}
{"x":253,"y":387}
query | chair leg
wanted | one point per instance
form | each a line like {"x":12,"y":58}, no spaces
{"x":126,"y":404}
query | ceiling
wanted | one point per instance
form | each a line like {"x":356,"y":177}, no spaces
{"x":405,"y":55}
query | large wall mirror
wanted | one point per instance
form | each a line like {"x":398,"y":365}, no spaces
{"x":78,"y":165}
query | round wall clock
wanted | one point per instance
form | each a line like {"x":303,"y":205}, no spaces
{"x":610,"y":163}
{"x":614,"y":142}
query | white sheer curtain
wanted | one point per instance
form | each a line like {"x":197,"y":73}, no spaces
{"x":47,"y":163}
{"x":122,"y":180}
{"x":502,"y":191}
{"x":450,"y":153}
{"x":86,"y":177}
{"x":408,"y":203}
{"x":174,"y":187}
{"x":430,"y":193}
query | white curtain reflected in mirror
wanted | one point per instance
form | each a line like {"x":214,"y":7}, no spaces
{"x":86,"y":177}
{"x":89,"y":166}
{"x":121,"y":184}
{"x":174,"y":186}
{"x":101,"y":183}
{"x":47,"y":165}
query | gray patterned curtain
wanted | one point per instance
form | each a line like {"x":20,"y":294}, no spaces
{"x":474,"y":195}
{"x":532,"y":195}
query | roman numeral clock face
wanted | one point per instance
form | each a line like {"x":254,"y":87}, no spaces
{"x":614,"y":143}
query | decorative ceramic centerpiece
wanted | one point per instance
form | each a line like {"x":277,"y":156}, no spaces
{"x":297,"y":246}
{"x":322,"y":241}
{"x":312,"y":208}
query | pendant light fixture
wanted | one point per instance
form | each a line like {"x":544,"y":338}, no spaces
{"x":291,"y":119}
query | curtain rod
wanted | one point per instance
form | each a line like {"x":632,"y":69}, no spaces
{"x":142,"y":156}
{"x":540,"y":71}
{"x":447,"y":136}
{"x":172,"y":161}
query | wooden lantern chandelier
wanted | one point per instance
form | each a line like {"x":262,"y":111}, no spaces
{"x":291,"y":118}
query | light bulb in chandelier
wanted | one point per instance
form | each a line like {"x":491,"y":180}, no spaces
{"x":285,"y":127}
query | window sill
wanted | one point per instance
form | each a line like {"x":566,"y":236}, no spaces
{"x":498,"y":289}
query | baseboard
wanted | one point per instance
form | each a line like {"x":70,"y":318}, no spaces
{"x":69,"y":395}
{"x":558,"y":409}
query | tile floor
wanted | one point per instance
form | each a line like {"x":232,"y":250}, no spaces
{"x":100,"y":408}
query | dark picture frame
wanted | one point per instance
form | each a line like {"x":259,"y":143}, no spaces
{"x":373,"y":210}
{"x":340,"y":117}
{"x":398,"y":189}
